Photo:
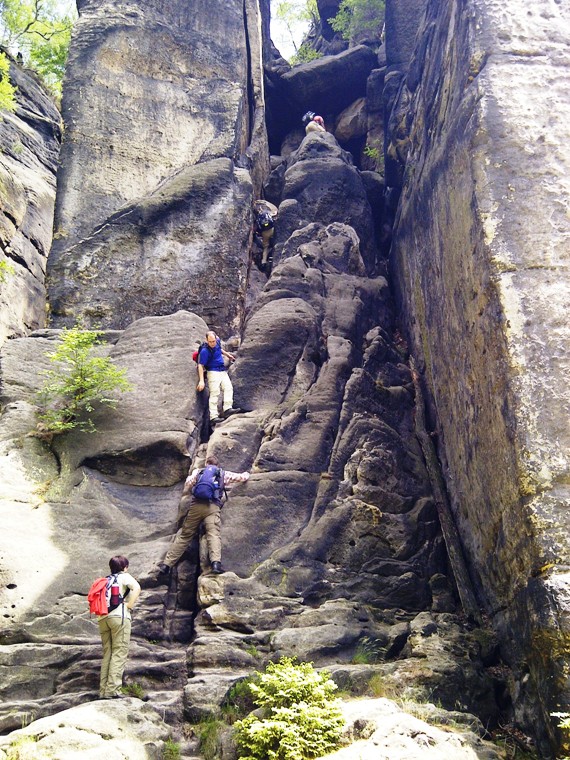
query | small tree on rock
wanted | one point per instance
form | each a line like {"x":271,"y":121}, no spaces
{"x":301,"y":719}
{"x":80,"y":382}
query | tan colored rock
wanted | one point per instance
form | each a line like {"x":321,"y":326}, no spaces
{"x":481,"y":260}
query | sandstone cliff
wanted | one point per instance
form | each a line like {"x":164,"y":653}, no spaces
{"x":340,"y":542}
{"x":29,"y":146}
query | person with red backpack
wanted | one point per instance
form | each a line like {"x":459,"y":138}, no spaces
{"x":211,"y":361}
{"x":203,"y":493}
{"x":113,"y":605}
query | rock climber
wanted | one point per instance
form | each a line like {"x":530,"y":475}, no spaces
{"x":211,"y":361}
{"x":202,"y":497}
{"x":115,"y":630}
{"x":264,"y":229}
{"x":313,"y":123}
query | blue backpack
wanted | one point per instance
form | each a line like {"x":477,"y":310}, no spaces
{"x":210,"y":484}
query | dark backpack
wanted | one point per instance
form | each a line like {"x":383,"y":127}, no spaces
{"x":264,"y":221}
{"x":210,"y":484}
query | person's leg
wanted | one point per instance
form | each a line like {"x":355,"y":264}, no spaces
{"x":212,"y":525}
{"x":214,"y":386}
{"x":105,"y":632}
{"x":228,"y":391}
{"x":120,"y":637}
{"x":189,"y":528}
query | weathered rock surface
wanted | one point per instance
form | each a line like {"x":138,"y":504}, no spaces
{"x":480,"y":259}
{"x":185,"y":246}
{"x":130,"y":207}
{"x":378,"y":730}
{"x":29,"y":145}
{"x":114,"y":729}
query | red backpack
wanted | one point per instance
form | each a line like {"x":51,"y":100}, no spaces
{"x":97,"y":597}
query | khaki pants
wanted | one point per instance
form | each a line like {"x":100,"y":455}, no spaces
{"x":200,"y":511}
{"x":115,"y":637}
{"x":219,"y":382}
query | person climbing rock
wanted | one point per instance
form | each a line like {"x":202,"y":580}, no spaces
{"x":264,"y":229}
{"x":211,"y":361}
{"x":115,"y":628}
{"x":313,"y":123}
{"x":202,"y":496}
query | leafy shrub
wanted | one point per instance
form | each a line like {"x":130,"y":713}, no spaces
{"x":357,"y":16}
{"x":41,"y":31}
{"x":171,"y":750}
{"x":208,"y":732}
{"x":304,"y":54}
{"x":239,"y":701}
{"x":5,"y":268}
{"x":7,"y":89}
{"x":79,"y":383}
{"x":300,"y":718}
{"x":134,"y":690}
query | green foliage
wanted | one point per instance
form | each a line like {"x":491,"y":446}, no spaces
{"x":41,"y":31}
{"x":134,"y":690}
{"x":79,"y":383}
{"x":239,"y":701}
{"x":357,"y":16}
{"x":7,"y":90}
{"x":368,"y":651}
{"x":301,"y":719}
{"x":208,"y":732}
{"x":304,"y":54}
{"x":6,"y":269}
{"x":21,"y":748}
{"x":371,"y":152}
{"x":293,"y":14}
{"x":171,"y":750}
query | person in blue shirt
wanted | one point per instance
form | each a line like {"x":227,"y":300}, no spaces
{"x":211,"y":361}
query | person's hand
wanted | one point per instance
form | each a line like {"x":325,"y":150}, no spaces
{"x":231,"y":357}
{"x":200,"y":386}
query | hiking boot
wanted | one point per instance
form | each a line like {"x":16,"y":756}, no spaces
{"x":163,"y":568}
{"x":217,"y":568}
{"x":232,"y":410}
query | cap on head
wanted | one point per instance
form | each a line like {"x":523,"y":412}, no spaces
{"x":309,"y":116}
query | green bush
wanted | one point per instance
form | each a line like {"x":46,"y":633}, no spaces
{"x":304,"y":54}
{"x":5,"y":268}
{"x":357,"y":16}
{"x":300,"y":717}
{"x":7,"y":89}
{"x":171,"y":750}
{"x":208,"y":732}
{"x":78,"y":385}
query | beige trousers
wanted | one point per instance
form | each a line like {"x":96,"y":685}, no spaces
{"x":219,"y":382}
{"x":200,"y":511}
{"x":115,"y":637}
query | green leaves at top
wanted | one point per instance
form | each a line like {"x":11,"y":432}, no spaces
{"x":41,"y":31}
{"x":355,"y":17}
{"x":301,"y":719}
{"x":80,"y":382}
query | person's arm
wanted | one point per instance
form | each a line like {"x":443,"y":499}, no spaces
{"x":201,"y":384}
{"x":190,"y":481}
{"x":134,"y":591}
{"x":235,"y":477}
{"x":229,"y":356}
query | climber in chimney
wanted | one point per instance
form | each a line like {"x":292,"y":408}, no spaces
{"x":202,"y":499}
{"x":211,"y":361}
{"x":265,"y":214}
{"x":313,"y":123}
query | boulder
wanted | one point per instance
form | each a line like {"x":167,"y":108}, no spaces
{"x":190,"y":242}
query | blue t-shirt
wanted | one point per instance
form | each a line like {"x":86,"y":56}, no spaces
{"x":212,"y":358}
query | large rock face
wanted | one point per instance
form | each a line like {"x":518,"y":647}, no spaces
{"x":152,"y":90}
{"x":332,"y":546}
{"x":29,"y":146}
{"x":480,"y":257}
